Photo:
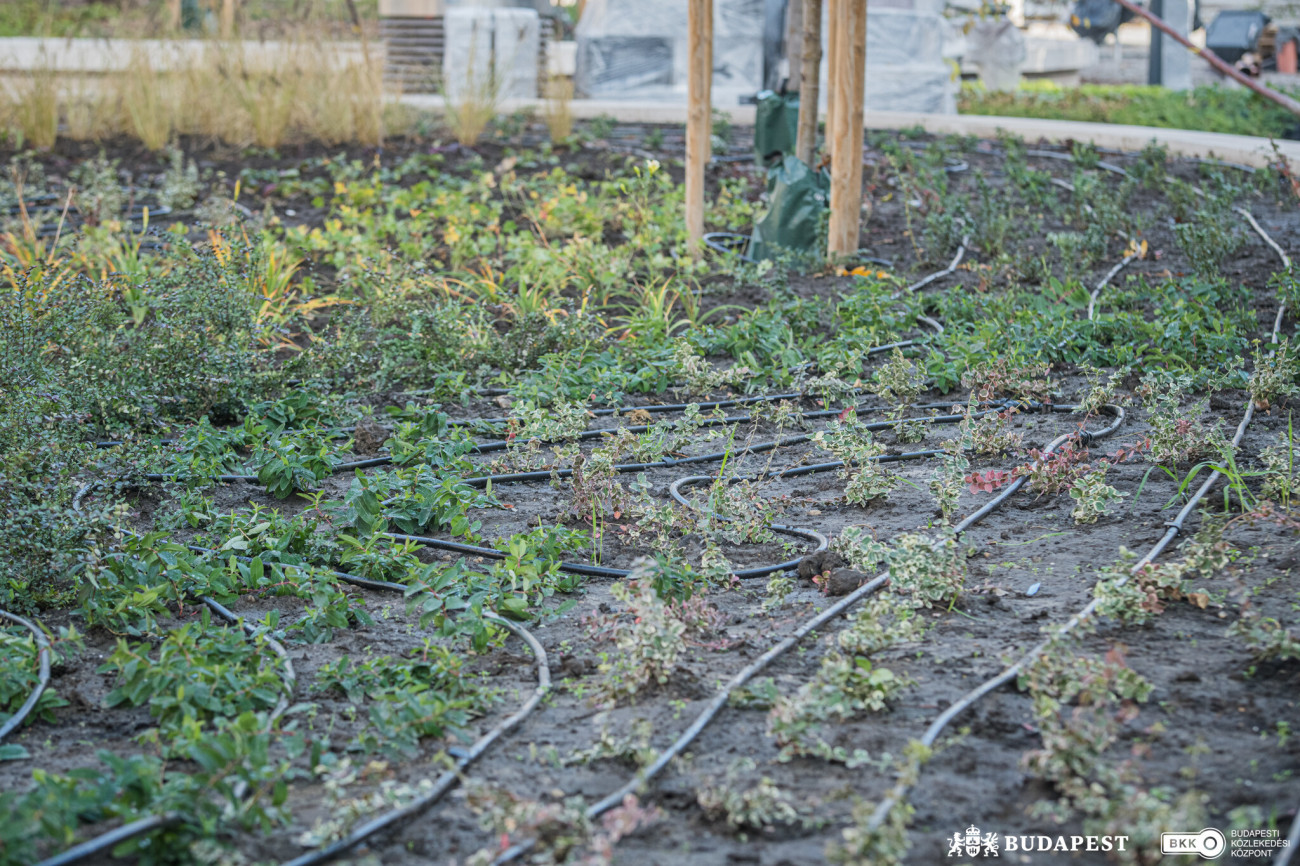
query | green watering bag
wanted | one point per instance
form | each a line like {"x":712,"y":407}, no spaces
{"x":799,"y":198}
{"x":776,"y":126}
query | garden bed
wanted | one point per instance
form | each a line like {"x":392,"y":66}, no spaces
{"x":448,"y":317}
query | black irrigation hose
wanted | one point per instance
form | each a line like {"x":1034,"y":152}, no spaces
{"x":736,"y":244}
{"x":717,"y":456}
{"x":1173,"y":530}
{"x":719,"y":700}
{"x":1068,"y":157}
{"x":105,"y":842}
{"x":613,"y":412}
{"x":615,"y":573}
{"x":937,"y":275}
{"x":501,"y":445}
{"x":451,"y":778}
{"x":445,"y":783}
{"x":1293,"y":841}
{"x":42,"y":677}
{"x":1129,"y":256}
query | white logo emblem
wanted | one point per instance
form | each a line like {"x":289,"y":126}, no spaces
{"x":972,"y":844}
{"x":1209,"y":843}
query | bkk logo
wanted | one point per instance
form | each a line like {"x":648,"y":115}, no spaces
{"x":976,"y":844}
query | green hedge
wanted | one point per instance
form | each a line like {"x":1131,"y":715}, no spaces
{"x":1210,"y":108}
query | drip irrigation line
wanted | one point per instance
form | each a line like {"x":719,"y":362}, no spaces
{"x":601,"y":571}
{"x":617,"y":573}
{"x":388,"y":820}
{"x":669,"y":462}
{"x":718,"y":456}
{"x":711,"y":710}
{"x":736,"y":244}
{"x":937,"y":275}
{"x":1129,"y":257}
{"x":1069,"y":157}
{"x":1293,"y":839}
{"x":152,"y":823}
{"x":290,"y":680}
{"x":42,"y":676}
{"x":586,"y":435}
{"x":546,"y":475}
{"x":451,"y":778}
{"x":720,"y":698}
{"x":1259,"y":230}
{"x":931,"y":323}
{"x":1110,"y":275}
{"x":105,"y":842}
{"x":614,"y":412}
{"x":1173,"y":529}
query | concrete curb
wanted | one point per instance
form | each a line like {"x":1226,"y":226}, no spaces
{"x":1245,"y":149}
{"x":101,"y":56}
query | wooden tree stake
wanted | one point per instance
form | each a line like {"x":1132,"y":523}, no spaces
{"x":809,"y":79}
{"x":849,"y":56}
{"x":699,"y":115}
{"x":794,"y":45}
{"x":227,"y":19}
{"x":833,"y":67}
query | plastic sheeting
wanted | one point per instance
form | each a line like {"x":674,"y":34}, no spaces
{"x":999,"y":49}
{"x":636,"y":49}
{"x":905,"y":66}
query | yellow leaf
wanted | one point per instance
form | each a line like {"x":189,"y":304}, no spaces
{"x":1135,"y":249}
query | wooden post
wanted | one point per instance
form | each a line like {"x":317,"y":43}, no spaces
{"x":849,"y":36}
{"x":809,"y":79}
{"x":227,"y":19}
{"x":794,"y":45}
{"x":173,"y":16}
{"x":698,"y":116}
{"x":833,"y":67}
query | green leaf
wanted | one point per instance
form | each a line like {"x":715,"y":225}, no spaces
{"x":13,"y":752}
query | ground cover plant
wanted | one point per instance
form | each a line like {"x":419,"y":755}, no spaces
{"x":439,"y":502}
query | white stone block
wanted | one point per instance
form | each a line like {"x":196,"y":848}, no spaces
{"x":491,"y":49}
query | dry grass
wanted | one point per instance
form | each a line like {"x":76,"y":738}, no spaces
{"x":308,"y":92}
{"x":90,"y":112}
{"x":559,"y":107}
{"x":347,"y":107}
{"x":35,"y":109}
{"x":472,"y":105}
{"x":149,"y":103}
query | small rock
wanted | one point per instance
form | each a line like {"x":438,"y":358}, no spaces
{"x":575,"y":667}
{"x":819,"y":563}
{"x":843,"y":581}
{"x":369,"y":436}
